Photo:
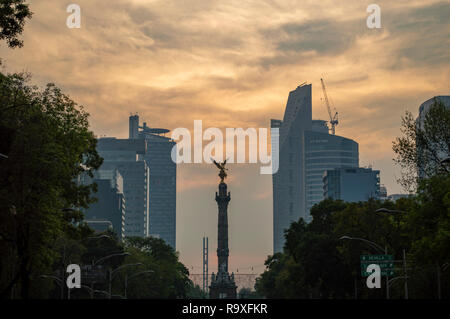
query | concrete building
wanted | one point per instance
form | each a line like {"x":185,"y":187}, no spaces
{"x":109,"y":210}
{"x":306,"y":150}
{"x":126,"y":156}
{"x":353,"y":184}
{"x":163,"y":179}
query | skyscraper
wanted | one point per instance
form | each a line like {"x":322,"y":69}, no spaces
{"x":324,"y":151}
{"x":288,"y":182}
{"x":306,"y":151}
{"x":163,"y":174}
{"x":126,"y":156}
{"x":109,"y":210}
{"x":352,"y":184}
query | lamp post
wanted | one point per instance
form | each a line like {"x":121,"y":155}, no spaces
{"x":396,"y":213}
{"x":109,"y":256}
{"x":111,"y":272}
{"x":91,"y":291}
{"x":105,"y":258}
{"x":376,"y":246}
{"x":132,"y":276}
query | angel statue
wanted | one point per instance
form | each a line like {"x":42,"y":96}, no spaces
{"x":222,"y":168}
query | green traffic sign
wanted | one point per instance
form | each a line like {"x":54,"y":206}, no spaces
{"x":383,"y":265}
{"x":367,"y":258}
{"x":389,"y":273}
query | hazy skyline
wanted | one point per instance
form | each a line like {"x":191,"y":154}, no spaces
{"x":232,"y":64}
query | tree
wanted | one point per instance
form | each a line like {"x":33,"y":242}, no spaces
{"x":428,"y":225}
{"x":195,"y":292}
{"x":50,"y":146}
{"x":247,"y":293}
{"x":424,"y":144}
{"x":12,"y":20}
{"x":269,"y":284}
{"x":315,"y":263}
{"x":169,"y":277}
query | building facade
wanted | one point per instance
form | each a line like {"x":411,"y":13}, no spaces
{"x":126,"y":156}
{"x":323,"y":152}
{"x":288,"y":182}
{"x":351,"y":184}
{"x":306,"y":150}
{"x":109,"y":210}
{"x":163,"y":179}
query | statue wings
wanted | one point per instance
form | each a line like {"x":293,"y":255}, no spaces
{"x":220,"y":166}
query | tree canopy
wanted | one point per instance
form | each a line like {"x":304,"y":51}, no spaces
{"x":48,"y":146}
{"x":13,"y":14}
{"x":424,"y":144}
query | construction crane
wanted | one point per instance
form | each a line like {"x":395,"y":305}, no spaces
{"x":333,"y":118}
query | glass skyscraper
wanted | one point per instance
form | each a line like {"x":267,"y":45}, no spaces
{"x":324,"y":151}
{"x":163,"y":179}
{"x":125,"y":155}
{"x":353,"y":184}
{"x":109,"y":210}
{"x":306,"y":151}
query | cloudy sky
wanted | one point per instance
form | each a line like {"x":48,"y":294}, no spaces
{"x":232,"y":63}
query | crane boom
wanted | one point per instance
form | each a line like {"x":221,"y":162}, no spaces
{"x":333,"y":119}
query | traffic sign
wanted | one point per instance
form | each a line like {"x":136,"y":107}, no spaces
{"x":376,"y":258}
{"x":386,"y":263}
{"x":389,"y":273}
{"x":383,"y":265}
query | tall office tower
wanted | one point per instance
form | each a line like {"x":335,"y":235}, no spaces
{"x":324,"y":151}
{"x":306,"y":151}
{"x":163,"y":181}
{"x":425,"y":168}
{"x":352,"y":184}
{"x":288,"y":182}
{"x":126,"y":156}
{"x":109,"y":210}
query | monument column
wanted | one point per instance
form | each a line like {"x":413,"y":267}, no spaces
{"x":222,"y":199}
{"x":222,"y":284}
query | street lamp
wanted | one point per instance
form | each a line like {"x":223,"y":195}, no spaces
{"x":105,"y":258}
{"x":132,"y":276}
{"x":389,"y":211}
{"x":99,"y":237}
{"x":396,"y":213}
{"x":109,"y":256}
{"x":373,"y":245}
{"x":111,"y":272}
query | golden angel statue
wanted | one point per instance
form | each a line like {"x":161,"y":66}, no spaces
{"x":222,"y":173}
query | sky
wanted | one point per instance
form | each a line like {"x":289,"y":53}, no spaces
{"x":232,"y":64}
